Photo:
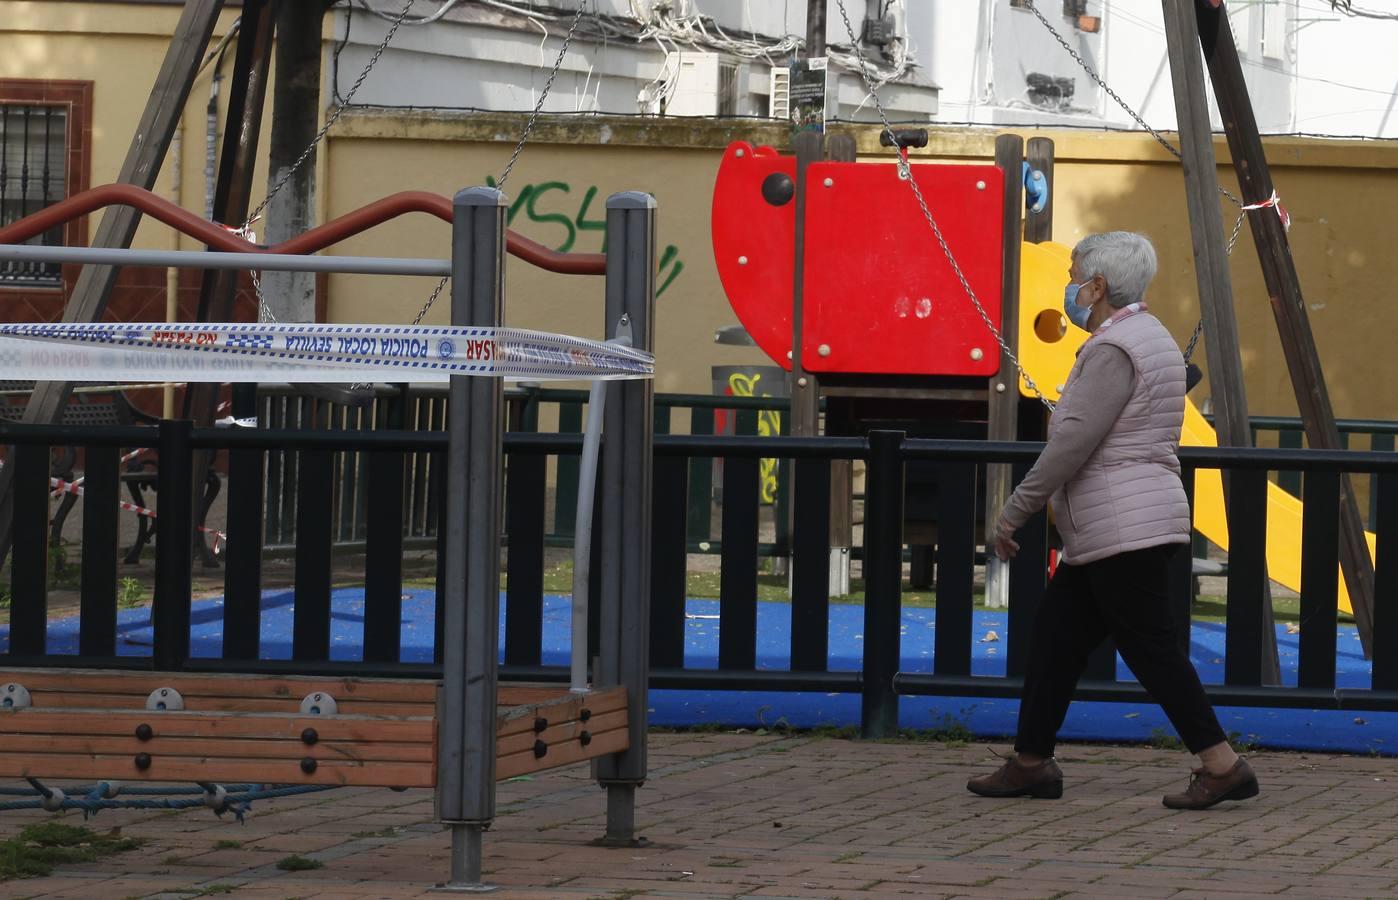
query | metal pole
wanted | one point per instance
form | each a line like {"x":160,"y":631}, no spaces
{"x":208,"y":259}
{"x":475,"y":428}
{"x":582,"y":523}
{"x":626,"y":512}
{"x":883,"y":564}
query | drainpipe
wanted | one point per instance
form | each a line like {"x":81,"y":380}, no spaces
{"x":172,"y":275}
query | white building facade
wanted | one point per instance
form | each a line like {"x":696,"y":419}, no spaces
{"x":1310,"y":68}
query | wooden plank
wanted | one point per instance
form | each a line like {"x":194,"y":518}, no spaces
{"x":561,"y":733}
{"x":94,"y":681}
{"x":521,"y":719}
{"x":517,"y":764}
{"x":348,"y":774}
{"x":98,"y":723}
{"x":535,"y":695}
{"x":229,"y":705}
{"x":219,"y":748}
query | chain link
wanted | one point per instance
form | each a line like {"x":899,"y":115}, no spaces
{"x":548,"y":85}
{"x":905,"y":169}
{"x":334,"y":115}
{"x":519,"y":147}
{"x":1092,"y":73}
{"x":264,"y":310}
{"x":426,"y":307}
{"x":1174,"y":151}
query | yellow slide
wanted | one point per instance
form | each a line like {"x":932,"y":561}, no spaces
{"x":1047,"y":348}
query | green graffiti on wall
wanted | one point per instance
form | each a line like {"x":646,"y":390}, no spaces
{"x":573,"y":215}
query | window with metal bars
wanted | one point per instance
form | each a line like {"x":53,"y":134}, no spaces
{"x":33,"y":175}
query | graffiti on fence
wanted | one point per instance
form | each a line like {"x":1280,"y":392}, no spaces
{"x":574,"y":215}
{"x":769,"y":424}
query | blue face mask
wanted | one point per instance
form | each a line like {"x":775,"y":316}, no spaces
{"x":1076,"y":314}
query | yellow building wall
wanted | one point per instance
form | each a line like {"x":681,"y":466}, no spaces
{"x":119,"y":49}
{"x":1340,"y":194}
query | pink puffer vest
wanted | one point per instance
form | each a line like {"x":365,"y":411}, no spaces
{"x":1128,"y":495}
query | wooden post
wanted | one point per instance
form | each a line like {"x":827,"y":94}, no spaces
{"x":237,"y":161}
{"x":1284,"y":291}
{"x":1038,"y":225}
{"x":841,"y":148}
{"x":1003,"y":393}
{"x":805,"y":393}
{"x":1211,"y":257}
{"x":232,"y":194}
{"x":815,"y":28}
{"x":291,"y":296}
{"x":148,"y":147}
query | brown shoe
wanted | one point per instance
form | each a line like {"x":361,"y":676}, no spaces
{"x":1207,"y":790}
{"x":1014,"y":779}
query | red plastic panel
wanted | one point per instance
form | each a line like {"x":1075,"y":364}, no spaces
{"x":881,"y":297}
{"x":754,"y":244}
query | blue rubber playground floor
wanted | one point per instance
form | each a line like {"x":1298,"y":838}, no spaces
{"x":1320,"y":730}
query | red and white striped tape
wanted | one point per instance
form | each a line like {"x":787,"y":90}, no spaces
{"x":1274,"y":202}
{"x":78,"y":481}
{"x":59,"y":486}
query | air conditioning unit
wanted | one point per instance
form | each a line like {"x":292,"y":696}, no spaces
{"x":704,"y":84}
{"x":780,"y":107}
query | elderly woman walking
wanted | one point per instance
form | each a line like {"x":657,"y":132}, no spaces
{"x":1112,"y":478}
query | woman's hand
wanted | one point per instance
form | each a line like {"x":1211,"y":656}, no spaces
{"x":1005,"y":545}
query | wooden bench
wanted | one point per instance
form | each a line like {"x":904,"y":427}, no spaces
{"x":139,"y":476}
{"x":92,"y":725}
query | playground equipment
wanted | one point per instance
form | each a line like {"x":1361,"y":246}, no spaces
{"x":769,"y":211}
{"x":457,"y":735}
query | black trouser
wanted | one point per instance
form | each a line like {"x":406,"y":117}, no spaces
{"x":1125,"y":597}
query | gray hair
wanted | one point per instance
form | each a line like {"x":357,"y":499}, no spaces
{"x":1125,"y":259}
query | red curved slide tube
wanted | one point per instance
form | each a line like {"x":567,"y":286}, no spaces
{"x":219,"y":238}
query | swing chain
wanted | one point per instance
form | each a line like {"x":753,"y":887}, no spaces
{"x":523,"y":139}
{"x":334,"y":116}
{"x":1092,"y":73}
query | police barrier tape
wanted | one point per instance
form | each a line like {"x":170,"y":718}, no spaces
{"x":221,"y":352}
{"x":58,"y":486}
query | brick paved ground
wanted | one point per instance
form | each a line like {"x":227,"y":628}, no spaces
{"x":740,"y":815}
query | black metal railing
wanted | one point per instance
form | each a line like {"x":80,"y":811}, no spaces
{"x":33,"y":164}
{"x":423,"y":408}
{"x":959,"y":465}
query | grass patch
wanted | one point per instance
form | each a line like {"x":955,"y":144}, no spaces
{"x":299,"y":864}
{"x":130,"y":594}
{"x":38,"y":848}
{"x":228,"y":845}
{"x":1161,"y":739}
{"x":1243,"y":743}
{"x":212,"y":890}
{"x":951,"y":731}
